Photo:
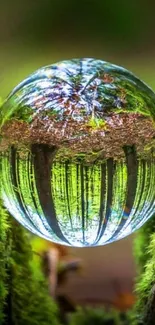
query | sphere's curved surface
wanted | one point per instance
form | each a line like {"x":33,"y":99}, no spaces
{"x":77,"y":152}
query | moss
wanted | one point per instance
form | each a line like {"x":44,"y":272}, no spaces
{"x":144,"y":287}
{"x":97,"y":316}
{"x":24,"y":297}
{"x":141,"y":243}
{"x":4,"y":259}
{"x":96,"y":123}
{"x":144,"y":310}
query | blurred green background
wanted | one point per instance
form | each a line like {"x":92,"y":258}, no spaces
{"x":39,"y":32}
{"x":35,"y":33}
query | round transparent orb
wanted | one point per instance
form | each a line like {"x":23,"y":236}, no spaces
{"x":77,"y":152}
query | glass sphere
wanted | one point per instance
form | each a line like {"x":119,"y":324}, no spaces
{"x":77,"y":152}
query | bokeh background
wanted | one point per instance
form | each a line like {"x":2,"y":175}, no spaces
{"x":35,"y":33}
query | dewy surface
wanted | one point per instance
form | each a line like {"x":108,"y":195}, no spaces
{"x":77,"y":152}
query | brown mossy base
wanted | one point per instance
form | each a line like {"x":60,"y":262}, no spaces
{"x":89,"y":136}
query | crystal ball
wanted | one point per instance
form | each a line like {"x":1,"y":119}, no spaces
{"x":77,"y":151}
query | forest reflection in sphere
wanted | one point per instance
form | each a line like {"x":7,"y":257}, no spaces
{"x":77,"y":152}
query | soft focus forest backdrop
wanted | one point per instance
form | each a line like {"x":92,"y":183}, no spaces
{"x":36,"y":33}
{"x":40,"y":32}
